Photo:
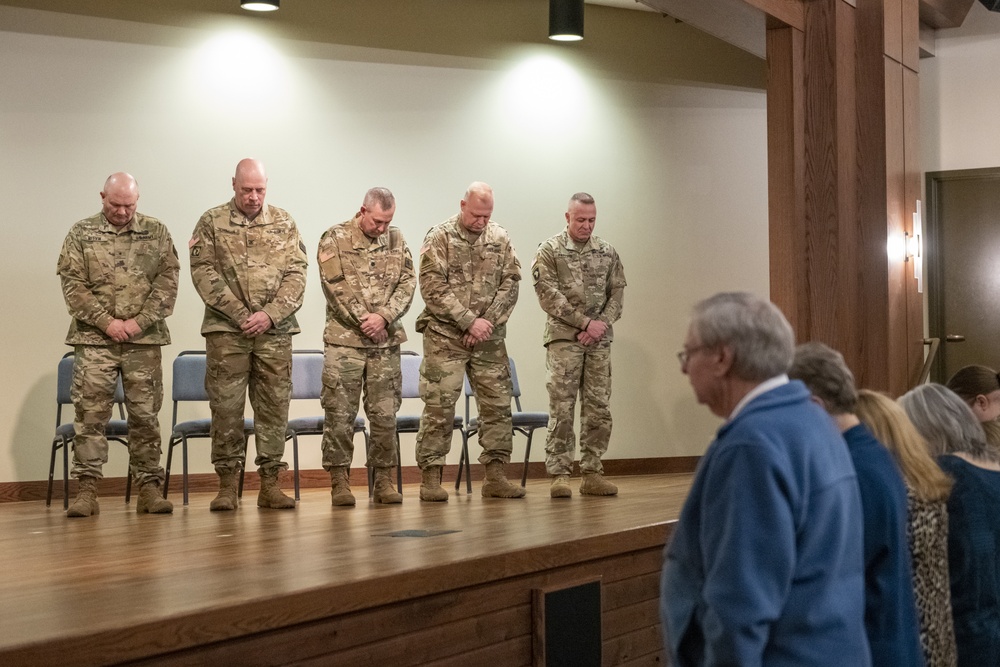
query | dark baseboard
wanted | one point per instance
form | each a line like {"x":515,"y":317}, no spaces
{"x":205,"y":482}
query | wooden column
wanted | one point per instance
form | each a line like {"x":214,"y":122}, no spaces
{"x":843,"y":174}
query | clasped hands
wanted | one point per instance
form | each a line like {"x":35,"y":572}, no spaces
{"x":122,"y":331}
{"x":593,"y":333}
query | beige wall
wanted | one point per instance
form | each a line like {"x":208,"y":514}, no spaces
{"x":960,"y":95}
{"x":678,"y":168}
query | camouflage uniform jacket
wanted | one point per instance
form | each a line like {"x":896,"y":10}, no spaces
{"x":576,"y":284}
{"x":107,"y":275}
{"x":242,"y":266}
{"x":362,"y":275}
{"x":463,"y":277}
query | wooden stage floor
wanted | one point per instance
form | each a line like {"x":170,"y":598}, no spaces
{"x":289,"y":586}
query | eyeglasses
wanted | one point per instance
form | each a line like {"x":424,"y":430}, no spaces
{"x":684,"y":355}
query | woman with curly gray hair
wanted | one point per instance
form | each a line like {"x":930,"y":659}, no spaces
{"x":955,"y":436}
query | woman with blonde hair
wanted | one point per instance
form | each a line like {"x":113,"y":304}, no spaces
{"x":927,"y":489}
{"x":956,"y":437}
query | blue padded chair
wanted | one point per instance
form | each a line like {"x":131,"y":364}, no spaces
{"x":307,"y":383}
{"x":189,"y":385}
{"x":410,"y":370}
{"x":524,"y":423}
{"x":117,"y":429}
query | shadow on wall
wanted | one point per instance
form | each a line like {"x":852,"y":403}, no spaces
{"x":32,"y":420}
{"x":31,"y":443}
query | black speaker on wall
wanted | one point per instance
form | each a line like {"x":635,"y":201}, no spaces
{"x":992,"y":5}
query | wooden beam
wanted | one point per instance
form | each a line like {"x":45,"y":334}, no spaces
{"x":944,"y":13}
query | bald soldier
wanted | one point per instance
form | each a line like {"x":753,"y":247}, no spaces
{"x":368,"y":280}
{"x":580,"y":284}
{"x":248,"y":264}
{"x":469,"y":277}
{"x":119,"y":277}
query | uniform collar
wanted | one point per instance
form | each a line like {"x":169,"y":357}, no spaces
{"x":468,"y":236}
{"x":236,"y":216}
{"x":107,"y":227}
{"x":360,"y":240}
{"x":570,"y":244}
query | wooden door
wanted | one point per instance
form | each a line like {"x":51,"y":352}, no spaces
{"x":963,"y":267}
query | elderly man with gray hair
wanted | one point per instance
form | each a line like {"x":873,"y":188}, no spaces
{"x":890,"y":610}
{"x":765,"y":563}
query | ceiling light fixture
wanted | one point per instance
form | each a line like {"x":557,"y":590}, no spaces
{"x":260,"y":5}
{"x":566,"y":20}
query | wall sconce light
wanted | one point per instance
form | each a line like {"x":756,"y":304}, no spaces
{"x":914,"y":248}
{"x":260,"y":5}
{"x":566,"y":20}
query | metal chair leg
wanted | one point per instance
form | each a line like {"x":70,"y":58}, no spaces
{"x":52,"y":470}
{"x":468,"y":465}
{"x":527,"y":454}
{"x":166,"y":472}
{"x":295,"y":463}
{"x":65,"y":476}
{"x":184,"y":459}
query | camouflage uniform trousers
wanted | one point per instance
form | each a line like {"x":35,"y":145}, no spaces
{"x":442,"y":374}
{"x":95,"y":377}
{"x":264,"y":365}
{"x":573,"y":369}
{"x":345,"y":371}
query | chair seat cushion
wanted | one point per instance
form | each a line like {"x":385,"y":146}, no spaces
{"x":520,"y":420}
{"x":306,"y":425}
{"x":407,"y":423}
{"x":116,"y":428}
{"x":314,"y":425}
{"x":531,"y":419}
{"x":202,"y":428}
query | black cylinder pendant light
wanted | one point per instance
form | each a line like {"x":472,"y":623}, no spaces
{"x":566,"y":20}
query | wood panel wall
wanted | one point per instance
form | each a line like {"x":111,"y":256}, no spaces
{"x":844,"y":177}
{"x":477,"y":625}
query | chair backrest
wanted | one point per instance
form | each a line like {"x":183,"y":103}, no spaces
{"x":64,"y":388}
{"x":409,"y":367}
{"x":189,"y":377}
{"x":64,"y":383}
{"x":307,"y":373}
{"x":515,"y":387}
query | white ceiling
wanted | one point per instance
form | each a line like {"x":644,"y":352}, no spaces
{"x":624,"y":4}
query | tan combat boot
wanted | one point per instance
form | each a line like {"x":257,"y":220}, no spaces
{"x":270,"y":494}
{"x":560,"y":487}
{"x":340,"y":487}
{"x":385,"y":492}
{"x":152,"y":501}
{"x":85,"y":503}
{"x":227,"y":500}
{"x":594,"y":484}
{"x":430,"y":485}
{"x":496,"y":484}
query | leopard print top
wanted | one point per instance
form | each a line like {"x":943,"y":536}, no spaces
{"x":927,"y":534}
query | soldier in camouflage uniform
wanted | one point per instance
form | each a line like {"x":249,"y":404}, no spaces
{"x":368,"y":278}
{"x":469,"y":276}
{"x":580,"y":284}
{"x":248,"y":264}
{"x":119,"y":278}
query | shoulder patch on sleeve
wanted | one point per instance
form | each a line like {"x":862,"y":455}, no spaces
{"x":194,"y":240}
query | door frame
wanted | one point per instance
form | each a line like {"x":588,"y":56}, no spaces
{"x":932,"y":260}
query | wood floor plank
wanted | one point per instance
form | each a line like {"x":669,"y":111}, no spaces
{"x":214,"y":576}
